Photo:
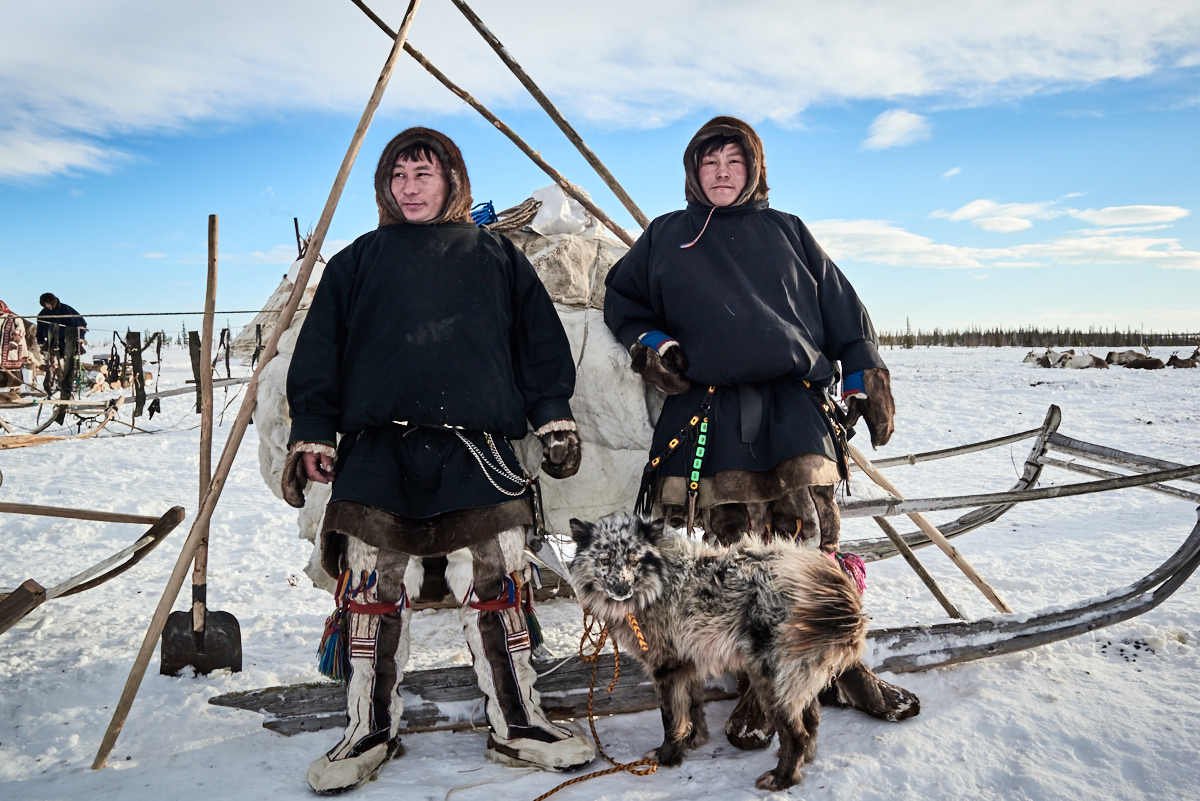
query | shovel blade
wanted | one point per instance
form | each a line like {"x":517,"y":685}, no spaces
{"x":222,"y":644}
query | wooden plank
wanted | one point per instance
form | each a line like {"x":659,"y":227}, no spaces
{"x":19,"y":603}
{"x":946,"y":453}
{"x":885,"y":508}
{"x":322,"y":705}
{"x":1100,"y":453}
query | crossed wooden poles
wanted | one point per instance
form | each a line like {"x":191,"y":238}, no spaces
{"x":198,"y":534}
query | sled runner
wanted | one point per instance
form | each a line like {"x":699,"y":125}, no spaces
{"x":309,"y":707}
{"x":17,"y":603}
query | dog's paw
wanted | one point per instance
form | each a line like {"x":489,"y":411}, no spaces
{"x":697,"y":738}
{"x":668,"y":755}
{"x":772,"y":781}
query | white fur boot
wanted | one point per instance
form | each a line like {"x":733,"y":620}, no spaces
{"x":522,"y":735}
{"x":379,"y":646}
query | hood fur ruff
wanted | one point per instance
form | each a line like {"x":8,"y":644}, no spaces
{"x":458,"y":199}
{"x":752,"y":147}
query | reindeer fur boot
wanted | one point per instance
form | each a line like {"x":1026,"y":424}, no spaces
{"x":498,"y":637}
{"x":859,"y":688}
{"x":379,"y":646}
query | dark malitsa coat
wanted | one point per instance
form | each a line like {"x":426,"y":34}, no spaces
{"x":62,"y":315}
{"x":755,"y":304}
{"x":421,"y":336}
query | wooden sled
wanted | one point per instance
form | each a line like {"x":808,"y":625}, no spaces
{"x":17,"y":603}
{"x":309,"y":707}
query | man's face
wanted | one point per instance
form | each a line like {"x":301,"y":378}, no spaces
{"x":723,"y":175}
{"x":420,"y":188}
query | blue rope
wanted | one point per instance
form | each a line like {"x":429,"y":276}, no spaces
{"x":484,"y":213}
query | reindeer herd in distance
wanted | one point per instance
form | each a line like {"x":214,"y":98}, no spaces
{"x":1134,"y":359}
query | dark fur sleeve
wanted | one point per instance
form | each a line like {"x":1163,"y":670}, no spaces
{"x":314,"y":381}
{"x":629,"y":307}
{"x":849,"y":335}
{"x":542,"y":363}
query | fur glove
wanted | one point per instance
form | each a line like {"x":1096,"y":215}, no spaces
{"x":873,"y":403}
{"x":294,"y":479}
{"x":561,"y":448}
{"x":661,"y":362}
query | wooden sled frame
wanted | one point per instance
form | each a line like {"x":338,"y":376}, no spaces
{"x":17,"y":603}
{"x":321,"y":705}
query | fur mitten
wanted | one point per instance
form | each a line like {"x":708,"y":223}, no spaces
{"x":877,"y":408}
{"x":294,"y":479}
{"x":662,"y":371}
{"x":561,"y":448}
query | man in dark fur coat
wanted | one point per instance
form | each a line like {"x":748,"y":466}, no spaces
{"x":430,"y":344}
{"x":732,"y":309}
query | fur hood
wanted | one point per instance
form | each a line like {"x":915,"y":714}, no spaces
{"x":458,"y":200}
{"x":752,"y":147}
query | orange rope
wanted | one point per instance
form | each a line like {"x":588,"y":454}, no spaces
{"x":642,"y":767}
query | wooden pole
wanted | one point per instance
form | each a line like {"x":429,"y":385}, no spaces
{"x":200,"y":565}
{"x":558,"y":118}
{"x":238,"y":430}
{"x":930,"y":531}
{"x":917,"y":567}
{"x":536,"y":157}
{"x":73,"y":514}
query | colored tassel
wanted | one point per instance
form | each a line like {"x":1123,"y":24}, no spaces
{"x":333,"y":653}
{"x":853,"y":565}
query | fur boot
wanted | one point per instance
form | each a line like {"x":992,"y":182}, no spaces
{"x":522,"y":735}
{"x":859,"y":688}
{"x":379,"y":645}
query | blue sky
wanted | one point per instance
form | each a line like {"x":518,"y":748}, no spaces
{"x":1007,"y":165}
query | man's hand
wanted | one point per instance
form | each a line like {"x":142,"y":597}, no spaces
{"x":877,"y":408}
{"x":562,"y":449}
{"x":306,"y":461}
{"x":318,"y":467}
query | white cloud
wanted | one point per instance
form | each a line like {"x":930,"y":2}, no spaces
{"x":953,"y":171}
{"x":153,"y":255}
{"x":1004,"y":218}
{"x":1007,"y":218}
{"x":1131,"y":215}
{"x":881,"y":242}
{"x":280,"y":254}
{"x":896,"y":128}
{"x":76,"y":74}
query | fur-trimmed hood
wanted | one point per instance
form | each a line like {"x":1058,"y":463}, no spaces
{"x":458,"y":199}
{"x":752,"y":147}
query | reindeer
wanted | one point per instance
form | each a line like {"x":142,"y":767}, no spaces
{"x":1189,"y":362}
{"x":1146,"y":364}
{"x":1123,"y":357}
{"x":1082,"y":361}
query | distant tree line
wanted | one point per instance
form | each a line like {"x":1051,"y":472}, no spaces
{"x":976,"y":337}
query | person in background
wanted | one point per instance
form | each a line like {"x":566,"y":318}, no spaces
{"x":55,"y":311}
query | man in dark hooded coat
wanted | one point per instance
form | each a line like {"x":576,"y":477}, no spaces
{"x":429,"y":345}
{"x":732,"y":310}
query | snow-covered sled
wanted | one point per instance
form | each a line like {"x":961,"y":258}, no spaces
{"x":309,"y":707}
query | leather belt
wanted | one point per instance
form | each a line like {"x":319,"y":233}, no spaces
{"x":750,"y":399}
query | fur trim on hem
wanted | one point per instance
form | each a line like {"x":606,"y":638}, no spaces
{"x":556,"y":425}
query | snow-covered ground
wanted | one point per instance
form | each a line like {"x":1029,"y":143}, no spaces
{"x":1112,"y":714}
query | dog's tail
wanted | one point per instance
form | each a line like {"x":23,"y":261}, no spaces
{"x":827,"y":628}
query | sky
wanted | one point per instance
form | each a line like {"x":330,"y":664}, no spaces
{"x":978,"y":164}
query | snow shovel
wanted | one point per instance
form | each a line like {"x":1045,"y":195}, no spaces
{"x":203,"y":639}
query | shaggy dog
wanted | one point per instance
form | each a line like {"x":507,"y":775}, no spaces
{"x":788,"y":617}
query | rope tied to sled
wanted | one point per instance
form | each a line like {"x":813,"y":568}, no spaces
{"x":596,"y":640}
